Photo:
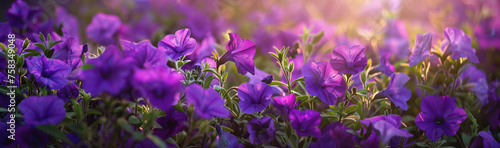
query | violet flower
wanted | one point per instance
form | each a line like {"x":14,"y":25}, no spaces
{"x":421,"y":49}
{"x":487,"y":33}
{"x":226,"y":139}
{"x":28,"y":21}
{"x":144,"y":54}
{"x":172,"y":123}
{"x":241,"y":52}
{"x":109,"y":73}
{"x":324,"y":82}
{"x":440,"y":116}
{"x":336,"y":135}
{"x":387,"y":127}
{"x":254,"y":97}
{"x":51,"y":72}
{"x":460,"y":44}
{"x":284,"y":104}
{"x":42,"y":110}
{"x":396,"y":90}
{"x":261,"y":130}
{"x":485,"y":140}
{"x":68,"y":92}
{"x":103,"y":28}
{"x":385,"y":65}
{"x":30,"y":136}
{"x":349,"y":60}
{"x":160,"y":85}
{"x":305,"y":122}
{"x":178,"y":44}
{"x":207,"y":102}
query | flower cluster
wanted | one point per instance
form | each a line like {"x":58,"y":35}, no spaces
{"x":157,"y":74}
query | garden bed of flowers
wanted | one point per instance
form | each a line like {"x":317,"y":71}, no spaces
{"x":230,"y":73}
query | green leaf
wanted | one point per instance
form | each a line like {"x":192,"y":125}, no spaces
{"x":3,"y":110}
{"x":351,"y":109}
{"x":302,"y":98}
{"x":32,"y":52}
{"x":227,"y":129}
{"x":40,"y":45}
{"x":157,"y":141}
{"x":427,"y":88}
{"x":474,"y":126}
{"x":298,"y":79}
{"x":26,"y":43}
{"x":54,"y":131}
{"x":318,"y":37}
{"x":178,"y":108}
{"x":77,"y":108}
{"x":274,"y":55}
{"x":86,"y":66}
{"x":207,"y":81}
{"x":134,"y":120}
{"x":41,"y":36}
{"x":277,"y":83}
{"x":123,"y":124}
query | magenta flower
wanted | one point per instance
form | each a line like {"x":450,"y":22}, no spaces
{"x":385,"y":65}
{"x":421,"y":49}
{"x":349,"y":60}
{"x":172,"y":123}
{"x":42,"y":110}
{"x":241,"y":52}
{"x":109,"y":73}
{"x":324,"y":82}
{"x":284,"y":104}
{"x":103,"y":28}
{"x":440,"y":116}
{"x":396,"y":90}
{"x":254,"y":97}
{"x":306,"y":122}
{"x":177,"y":45}
{"x":160,"y":85}
{"x":51,"y":72}
{"x":144,"y":54}
{"x":261,"y":130}
{"x":207,"y":102}
{"x":460,"y":44}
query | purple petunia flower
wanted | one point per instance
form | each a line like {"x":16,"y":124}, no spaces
{"x":42,"y":110}
{"x":460,"y":44}
{"x":103,"y":28}
{"x":144,"y":54}
{"x":28,"y":21}
{"x":159,"y":85}
{"x":208,"y":102}
{"x":226,"y":139}
{"x":485,"y":140}
{"x":68,"y":92}
{"x":336,"y":135}
{"x":261,"y":130}
{"x":349,"y":60}
{"x":387,"y":127}
{"x":30,"y":136}
{"x":177,"y":45}
{"x":284,"y":104}
{"x":51,"y":72}
{"x":396,"y":90}
{"x":385,"y":64}
{"x":254,"y":97}
{"x":172,"y":123}
{"x":473,"y":75}
{"x":146,"y":142}
{"x":421,"y":49}
{"x":69,"y":51}
{"x":68,"y":21}
{"x":241,"y":52}
{"x":306,"y":122}
{"x":109,"y":73}
{"x":440,"y":116}
{"x":487,"y":33}
{"x":324,"y":82}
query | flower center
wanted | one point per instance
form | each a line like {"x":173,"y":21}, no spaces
{"x":439,"y":121}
